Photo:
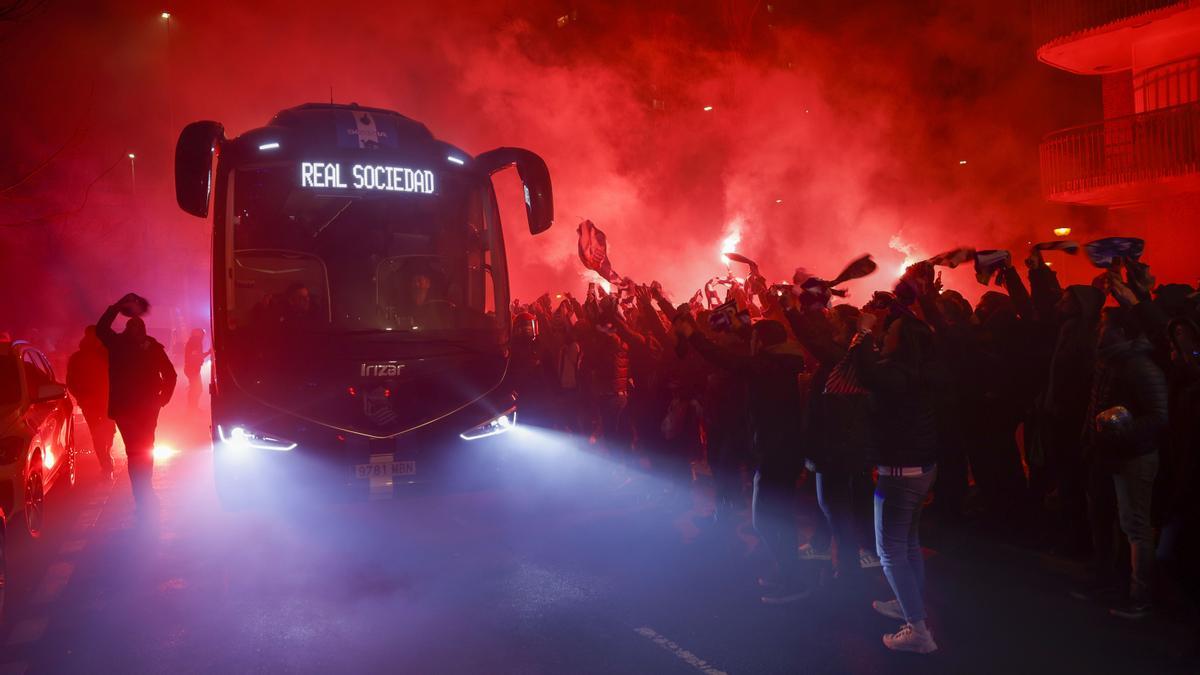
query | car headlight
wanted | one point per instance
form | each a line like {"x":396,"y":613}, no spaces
{"x":496,"y":425}
{"x":241,"y":438}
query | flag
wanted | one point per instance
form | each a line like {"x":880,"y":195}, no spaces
{"x":1103,"y":252}
{"x":593,"y":251}
{"x":857,"y":269}
{"x":989,"y":263}
{"x":723,"y":315}
{"x":815,"y":292}
{"x":735,"y":257}
{"x":1066,"y":246}
{"x":953,"y":258}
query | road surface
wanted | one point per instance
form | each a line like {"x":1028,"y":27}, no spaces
{"x":571,"y":564}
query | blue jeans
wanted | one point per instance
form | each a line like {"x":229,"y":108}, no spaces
{"x":898,"y":503}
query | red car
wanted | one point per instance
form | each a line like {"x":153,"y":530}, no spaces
{"x":37,"y":433}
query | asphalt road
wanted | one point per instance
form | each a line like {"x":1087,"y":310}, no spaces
{"x":569,"y":565}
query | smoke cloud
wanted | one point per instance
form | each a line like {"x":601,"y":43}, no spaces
{"x":814,"y":132}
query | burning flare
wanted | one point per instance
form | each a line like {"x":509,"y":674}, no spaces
{"x":733,"y":237}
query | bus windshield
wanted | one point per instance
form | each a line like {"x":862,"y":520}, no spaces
{"x":411,"y":266}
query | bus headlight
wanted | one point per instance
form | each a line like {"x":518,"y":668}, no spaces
{"x":496,"y":425}
{"x":241,"y":438}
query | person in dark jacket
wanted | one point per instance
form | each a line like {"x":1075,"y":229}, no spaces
{"x":610,"y":371}
{"x":727,"y":425}
{"x":87,"y":379}
{"x":141,"y":381}
{"x":1129,"y":416}
{"x":194,"y":356}
{"x":1064,"y":405}
{"x":903,"y":378}
{"x":1001,"y":391}
{"x":838,"y":437}
{"x":770,"y":374}
{"x":1179,"y":546}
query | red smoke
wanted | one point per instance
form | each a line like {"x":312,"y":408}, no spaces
{"x":833,"y":130}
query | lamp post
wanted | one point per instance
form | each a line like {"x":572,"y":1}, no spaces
{"x":132,"y":175}
{"x":166,"y":19}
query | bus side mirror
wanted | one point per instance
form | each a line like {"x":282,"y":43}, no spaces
{"x":539,"y":196}
{"x":194,"y":154}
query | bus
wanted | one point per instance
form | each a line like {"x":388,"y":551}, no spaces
{"x":360,"y":300}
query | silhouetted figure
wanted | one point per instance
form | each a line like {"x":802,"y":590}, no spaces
{"x":87,"y":379}
{"x":141,"y":381}
{"x":420,"y":300}
{"x":194,"y":357}
{"x":296,"y":308}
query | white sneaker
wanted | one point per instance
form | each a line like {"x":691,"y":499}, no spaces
{"x":889,"y":608}
{"x":807,"y":552}
{"x":908,"y":639}
{"x":868,"y":560}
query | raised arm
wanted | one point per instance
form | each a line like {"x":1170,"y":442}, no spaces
{"x":1044,"y":289}
{"x":1017,"y":291}
{"x":685,"y":328}
{"x":104,"y":329}
{"x":814,"y":331}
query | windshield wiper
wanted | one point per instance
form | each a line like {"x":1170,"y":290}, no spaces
{"x":335,"y":217}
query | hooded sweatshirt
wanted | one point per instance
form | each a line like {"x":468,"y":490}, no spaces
{"x":87,"y":374}
{"x":140,"y":375}
{"x":1071,"y":369}
{"x":1127,"y":376}
{"x":774,"y":402}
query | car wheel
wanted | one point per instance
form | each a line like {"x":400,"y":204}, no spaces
{"x":35,"y":500}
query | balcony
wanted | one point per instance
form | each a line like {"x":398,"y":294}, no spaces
{"x":1091,"y":37}
{"x":1124,"y":160}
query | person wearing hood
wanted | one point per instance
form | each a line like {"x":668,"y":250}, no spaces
{"x":1179,"y":547}
{"x":904,"y":378}
{"x":770,"y":374}
{"x":1007,"y":362}
{"x":1128,"y":419}
{"x":141,"y":381}
{"x":87,"y":380}
{"x":1064,"y":405}
{"x":839,"y":431}
{"x":194,"y":356}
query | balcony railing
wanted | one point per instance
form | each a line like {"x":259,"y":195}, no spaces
{"x":1055,"y":19}
{"x":1124,"y":151}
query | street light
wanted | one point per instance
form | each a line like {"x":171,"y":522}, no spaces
{"x":166,"y":17}
{"x":132,"y":175}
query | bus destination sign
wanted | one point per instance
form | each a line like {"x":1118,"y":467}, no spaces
{"x":334,"y":176}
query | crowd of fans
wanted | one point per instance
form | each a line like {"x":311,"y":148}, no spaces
{"x":1069,"y":412}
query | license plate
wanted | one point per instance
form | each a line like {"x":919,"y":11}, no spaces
{"x":385,"y":469}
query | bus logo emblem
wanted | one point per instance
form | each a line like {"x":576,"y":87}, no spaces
{"x":380,"y":369}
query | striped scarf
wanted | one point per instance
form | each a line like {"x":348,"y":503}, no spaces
{"x":843,"y":379}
